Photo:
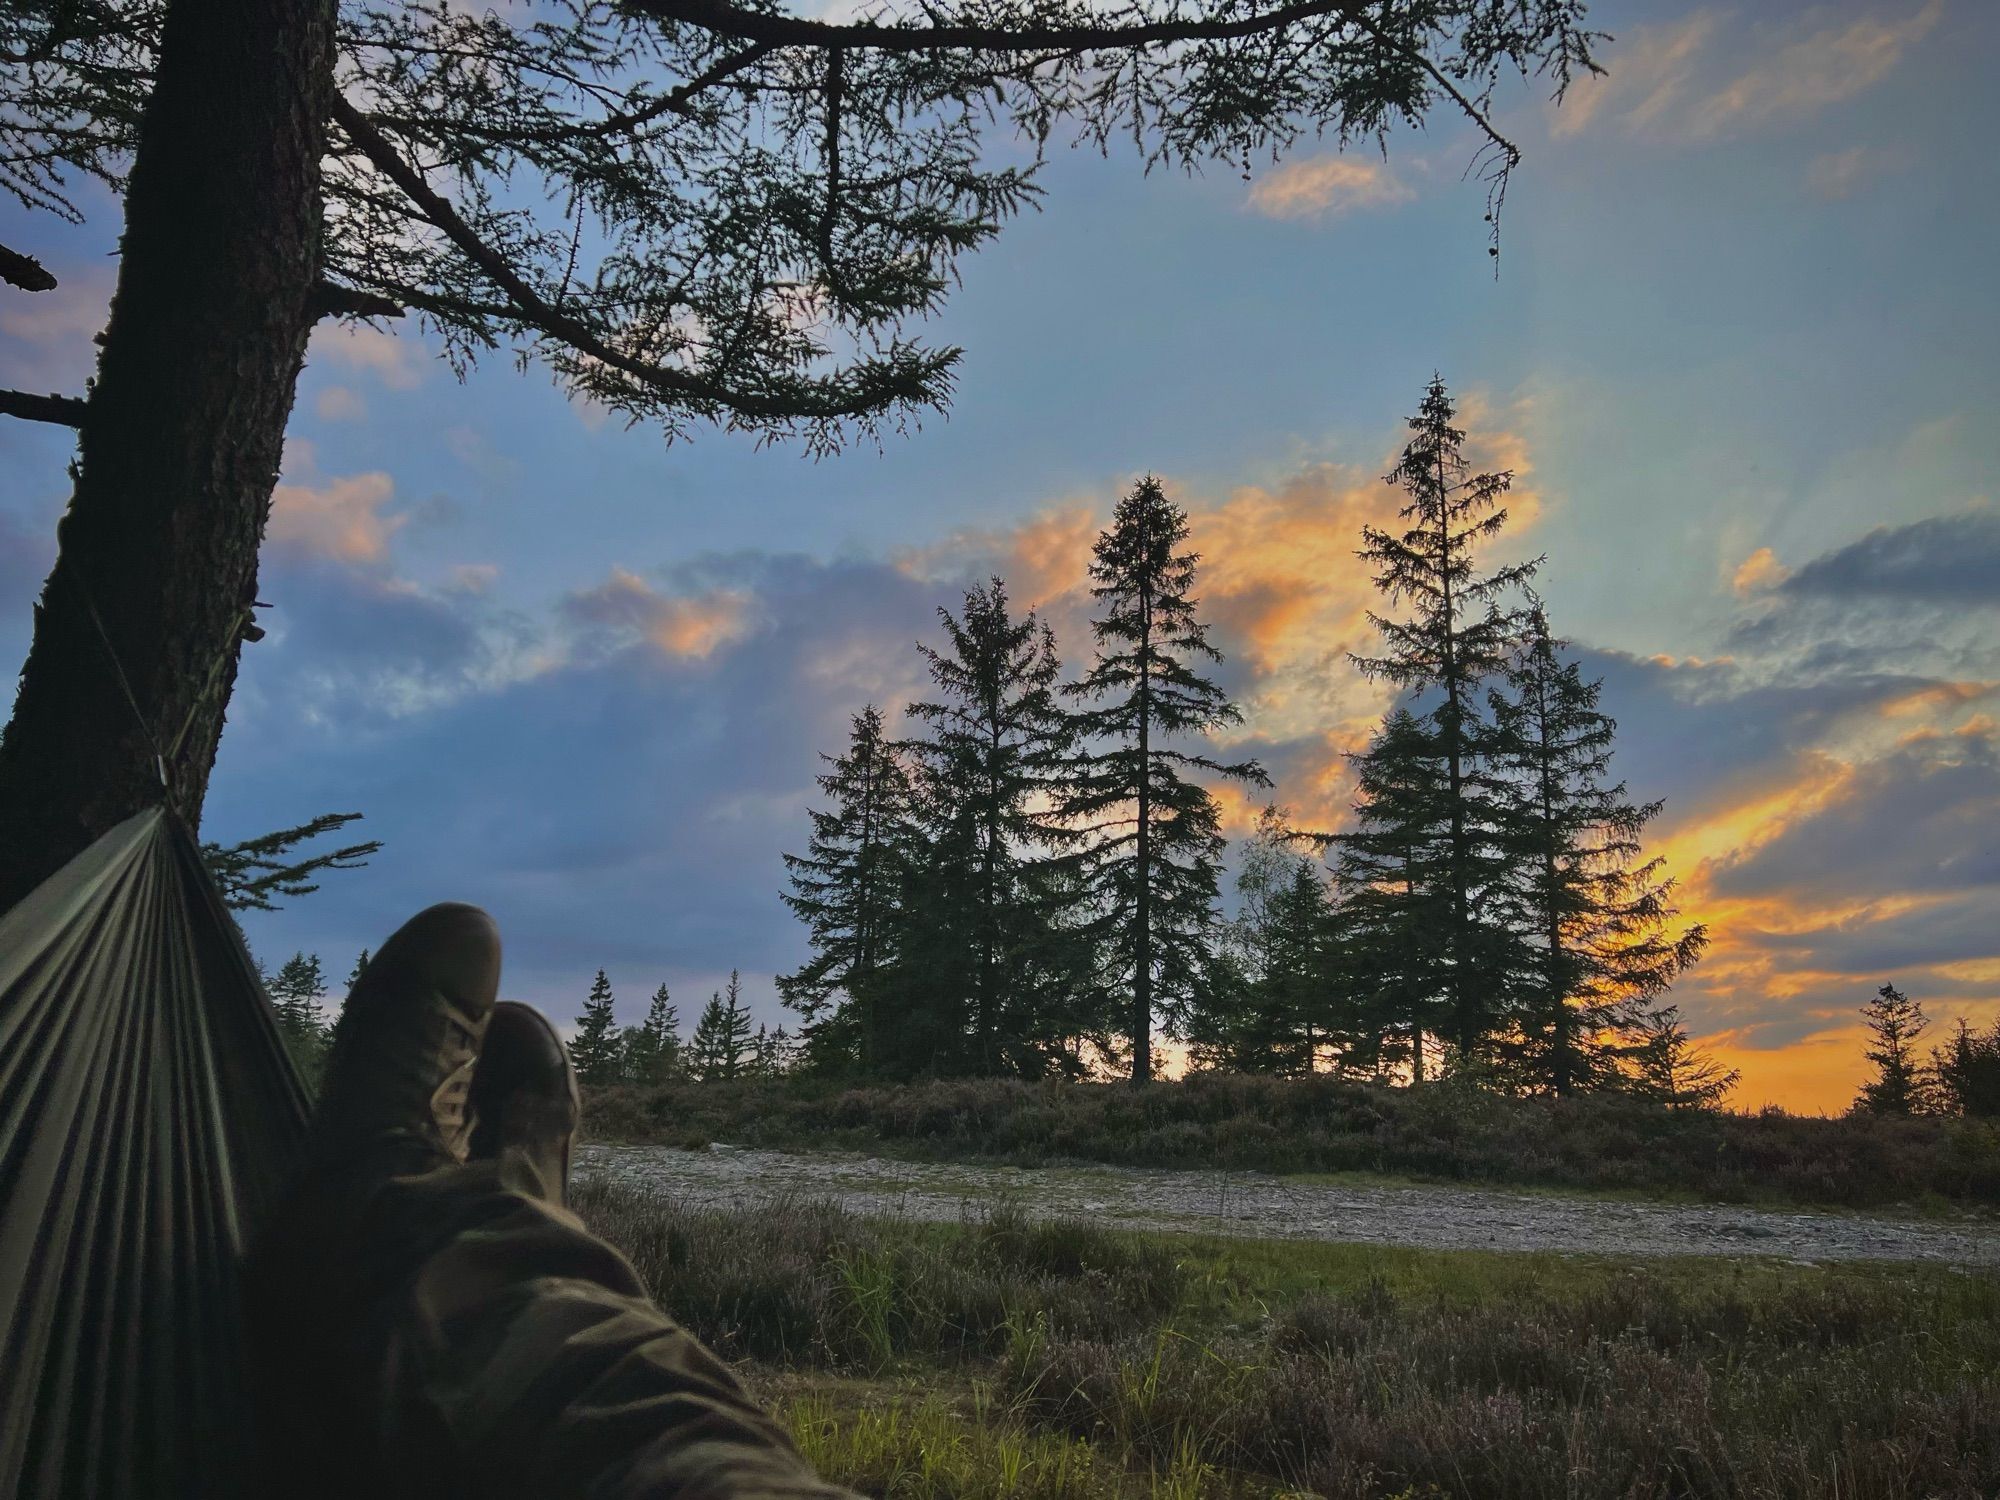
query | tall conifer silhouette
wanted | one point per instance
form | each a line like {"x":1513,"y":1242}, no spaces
{"x":1598,"y":916}
{"x":996,"y":739}
{"x":1459,"y":632}
{"x":594,"y":1047}
{"x":1393,"y":869}
{"x":1895,"y":1022}
{"x":844,"y":888}
{"x":1152,"y":843}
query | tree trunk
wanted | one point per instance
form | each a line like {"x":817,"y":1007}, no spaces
{"x":1142,"y":917}
{"x":137,"y":632}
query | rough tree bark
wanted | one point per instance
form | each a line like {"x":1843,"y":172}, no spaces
{"x":181,"y":439}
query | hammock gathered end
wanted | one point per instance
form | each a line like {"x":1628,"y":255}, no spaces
{"x":149,"y":1114}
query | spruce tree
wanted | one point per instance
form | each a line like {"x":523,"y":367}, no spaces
{"x":1895,"y":1023}
{"x":705,"y":1046}
{"x":721,"y":1048}
{"x":1392,"y":869}
{"x":1667,"y":1066}
{"x":1277,"y":1008}
{"x":1598,"y":915}
{"x":844,"y":889}
{"x":593,"y":1048}
{"x":1150,"y":838}
{"x":295,"y":995}
{"x":996,"y":740}
{"x":354,"y":974}
{"x":652,"y":1049}
{"x":770,"y":1053}
{"x":1459,"y":633}
{"x":1966,"y":1072}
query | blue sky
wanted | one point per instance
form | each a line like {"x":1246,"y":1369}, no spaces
{"x":1740,"y":353}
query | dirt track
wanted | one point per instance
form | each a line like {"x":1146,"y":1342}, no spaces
{"x":1254,"y":1205}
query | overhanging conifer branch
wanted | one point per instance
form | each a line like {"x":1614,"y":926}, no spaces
{"x":532,"y":308}
{"x":25,"y":272}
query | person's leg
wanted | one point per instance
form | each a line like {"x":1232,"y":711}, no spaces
{"x":432,"y":1325}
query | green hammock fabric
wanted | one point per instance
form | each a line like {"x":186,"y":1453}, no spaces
{"x":148,"y":1115}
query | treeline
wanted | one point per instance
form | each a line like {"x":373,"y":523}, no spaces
{"x":1026,"y":880}
{"x":298,"y":996}
{"x":722,"y":1047}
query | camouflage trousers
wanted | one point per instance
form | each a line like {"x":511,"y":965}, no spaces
{"x":439,"y":1330}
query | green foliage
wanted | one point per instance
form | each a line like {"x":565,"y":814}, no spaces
{"x":702,"y":212}
{"x":1280,"y":1003}
{"x":990,"y":761}
{"x":928,"y":1450}
{"x":1594,"y":914}
{"x":773,"y":1053}
{"x":1667,"y":1066}
{"x":1458,"y":635}
{"x":594,"y":1046}
{"x":1966,"y":1073}
{"x":1895,"y":1024}
{"x":650,"y":1053}
{"x":252,"y":873}
{"x":1149,"y":840}
{"x":723,"y":1048}
{"x":1393,"y":869}
{"x":845,"y":888}
{"x":296,"y":993}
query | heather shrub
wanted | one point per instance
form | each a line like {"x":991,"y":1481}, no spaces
{"x":1450,"y":1132}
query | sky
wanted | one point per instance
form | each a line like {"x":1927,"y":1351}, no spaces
{"x":1739,"y":355}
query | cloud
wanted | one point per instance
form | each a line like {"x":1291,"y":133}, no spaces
{"x":472,"y":578}
{"x":1829,"y":66}
{"x":1317,"y":186}
{"x":396,"y":361}
{"x":1901,"y":817}
{"x":1644,"y":80}
{"x":336,"y":403}
{"x":611,"y":810}
{"x":48,"y":343}
{"x":1840,"y":174}
{"x":1952,"y":559}
{"x":1758,"y":573}
{"x":342,"y":519}
{"x":1916,"y":599}
{"x":687,"y":627}
{"x":1687,"y":82}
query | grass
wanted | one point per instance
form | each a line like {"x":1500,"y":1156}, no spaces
{"x":1002,"y":1356}
{"x":1441,"y":1133}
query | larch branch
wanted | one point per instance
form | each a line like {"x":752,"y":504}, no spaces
{"x":25,"y":272}
{"x":64,"y":411}
{"x":536,"y":310}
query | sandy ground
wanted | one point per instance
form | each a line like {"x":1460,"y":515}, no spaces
{"x":1254,"y":1205}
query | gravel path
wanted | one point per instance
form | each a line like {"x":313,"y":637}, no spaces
{"x":1255,"y":1205}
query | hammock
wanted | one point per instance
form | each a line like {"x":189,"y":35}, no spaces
{"x":148,"y":1115}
